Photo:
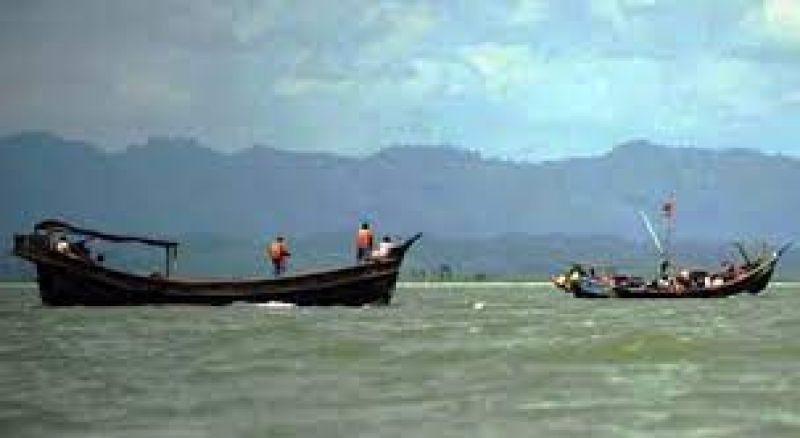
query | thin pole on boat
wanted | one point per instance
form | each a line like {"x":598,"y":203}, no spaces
{"x":668,"y":215}
{"x":166,"y":271}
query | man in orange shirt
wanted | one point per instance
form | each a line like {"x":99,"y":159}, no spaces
{"x":278,"y":252}
{"x":364,"y":240}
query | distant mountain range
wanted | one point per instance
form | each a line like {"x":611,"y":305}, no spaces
{"x":177,"y":186}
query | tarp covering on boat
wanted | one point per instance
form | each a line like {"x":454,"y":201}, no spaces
{"x":57,"y":225}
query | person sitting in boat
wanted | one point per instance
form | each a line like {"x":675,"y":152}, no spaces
{"x":63,"y":246}
{"x":576,"y":272}
{"x":278,"y":253}
{"x":683,"y":280}
{"x":664,"y":268}
{"x":384,"y":248}
{"x":363,"y":242}
{"x":729,"y":271}
{"x":78,"y":249}
{"x":575,"y":275}
{"x":560,"y":280}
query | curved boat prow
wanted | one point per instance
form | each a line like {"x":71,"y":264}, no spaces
{"x":785,"y":247}
{"x":768,"y":268}
{"x":401,"y":249}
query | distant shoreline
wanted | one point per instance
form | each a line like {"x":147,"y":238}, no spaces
{"x":466,"y":284}
{"x":17,"y":284}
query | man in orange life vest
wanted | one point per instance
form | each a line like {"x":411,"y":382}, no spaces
{"x":278,"y":253}
{"x":363,"y":242}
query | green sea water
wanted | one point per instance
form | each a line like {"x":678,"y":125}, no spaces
{"x":439,"y":362}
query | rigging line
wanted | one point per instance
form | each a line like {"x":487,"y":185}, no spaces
{"x":653,"y":234}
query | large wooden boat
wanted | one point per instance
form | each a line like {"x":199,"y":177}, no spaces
{"x":751,"y":277}
{"x":72,"y":279}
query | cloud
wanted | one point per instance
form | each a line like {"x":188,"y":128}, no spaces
{"x":782,"y":18}
{"x":618,"y":12}
{"x":254,"y":21}
{"x":430,"y":78}
{"x":401,"y":28}
{"x":777,"y":21}
{"x":418,"y":79}
{"x":505,"y":69}
{"x":148,"y":90}
{"x":300,"y":86}
{"x":527,"y":12}
{"x":792,"y":97}
{"x":371,"y":72}
{"x":382,"y":48}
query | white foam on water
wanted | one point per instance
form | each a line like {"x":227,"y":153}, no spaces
{"x":276,"y":305}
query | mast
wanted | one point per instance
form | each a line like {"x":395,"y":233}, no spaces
{"x":167,"y":262}
{"x":171,"y":259}
{"x":668,"y":217}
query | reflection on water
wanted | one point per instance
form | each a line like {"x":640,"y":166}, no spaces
{"x":501,"y":361}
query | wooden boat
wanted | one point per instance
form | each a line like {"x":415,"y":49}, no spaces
{"x":752,"y":277}
{"x":71,"y":279}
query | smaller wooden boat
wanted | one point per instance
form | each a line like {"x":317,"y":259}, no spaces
{"x":752,"y":277}
{"x":73,"y":278}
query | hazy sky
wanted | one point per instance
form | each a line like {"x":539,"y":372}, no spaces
{"x":528,"y":79}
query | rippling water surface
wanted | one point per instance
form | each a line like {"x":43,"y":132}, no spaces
{"x":438,"y":362}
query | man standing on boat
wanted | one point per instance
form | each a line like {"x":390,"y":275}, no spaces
{"x":364,"y":242}
{"x":278,"y":252}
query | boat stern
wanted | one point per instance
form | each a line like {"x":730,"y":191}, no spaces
{"x":26,"y":246}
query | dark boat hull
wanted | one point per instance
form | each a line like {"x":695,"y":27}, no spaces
{"x":67,"y":281}
{"x":753,"y":282}
{"x":60,"y":287}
